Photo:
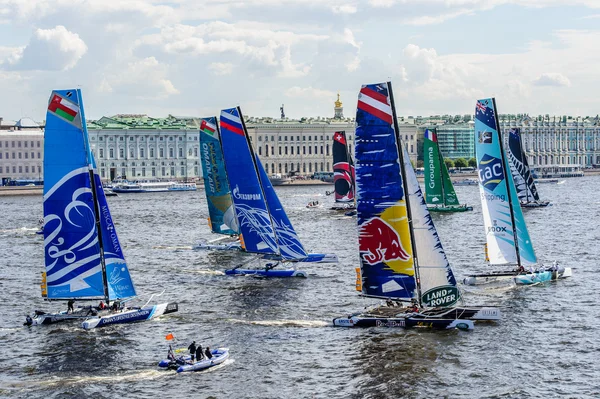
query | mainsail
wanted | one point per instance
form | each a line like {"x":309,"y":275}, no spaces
{"x":507,"y":237}
{"x":256,"y":229}
{"x":83,"y":255}
{"x":289,"y":244}
{"x":395,"y":228}
{"x":438,"y":186}
{"x":343,"y":169}
{"x":519,"y":168}
{"x":218,"y":196}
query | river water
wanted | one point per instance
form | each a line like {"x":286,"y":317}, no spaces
{"x":279,"y":331}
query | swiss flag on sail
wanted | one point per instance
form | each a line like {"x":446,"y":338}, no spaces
{"x":340,"y":137}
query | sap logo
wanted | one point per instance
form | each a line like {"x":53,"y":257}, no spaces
{"x":490,"y":172}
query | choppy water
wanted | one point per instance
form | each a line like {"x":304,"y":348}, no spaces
{"x":279,"y":332}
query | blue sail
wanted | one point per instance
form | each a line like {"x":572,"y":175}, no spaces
{"x":220,"y":205}
{"x":495,"y":185}
{"x":387,"y":264}
{"x":71,"y":242}
{"x":289,"y":244}
{"x":256,"y":230}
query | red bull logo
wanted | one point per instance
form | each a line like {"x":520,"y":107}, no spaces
{"x":378,"y":242}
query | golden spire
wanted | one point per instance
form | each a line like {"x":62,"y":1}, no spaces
{"x":338,"y":103}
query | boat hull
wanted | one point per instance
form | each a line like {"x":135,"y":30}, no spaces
{"x":448,"y":209}
{"x":407,"y":321}
{"x":266,"y":273}
{"x":310,"y":258}
{"x":219,"y":356}
{"x":536,"y":277}
{"x":535,"y":204}
{"x":42,"y":318}
{"x":131,"y":316}
{"x":234,"y":246}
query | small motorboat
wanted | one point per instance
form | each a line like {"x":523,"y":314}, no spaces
{"x":184,"y":363}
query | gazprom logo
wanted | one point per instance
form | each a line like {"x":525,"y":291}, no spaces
{"x":490,"y":172}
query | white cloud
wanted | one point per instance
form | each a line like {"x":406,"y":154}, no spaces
{"x":221,"y":68}
{"x":552,"y":79}
{"x":308,"y":92}
{"x":436,"y":19}
{"x":344,"y":9}
{"x":49,"y":49}
{"x":142,"y":79}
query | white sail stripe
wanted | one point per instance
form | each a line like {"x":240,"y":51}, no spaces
{"x":227,"y":115}
{"x":375,"y":103}
{"x":64,"y":179}
{"x":69,"y":104}
{"x":66,"y":270}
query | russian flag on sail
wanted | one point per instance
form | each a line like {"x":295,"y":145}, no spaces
{"x":230,"y":120}
{"x":374,"y":100}
{"x":63,"y":108}
{"x":429,"y":135}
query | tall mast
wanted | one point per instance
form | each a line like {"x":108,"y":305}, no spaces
{"x":506,"y":175}
{"x":405,"y":188}
{"x":94,"y":194}
{"x":525,"y":169}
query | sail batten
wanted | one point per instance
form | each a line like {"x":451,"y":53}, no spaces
{"x":79,"y":236}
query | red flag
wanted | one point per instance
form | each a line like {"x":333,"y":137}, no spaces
{"x":169,"y":337}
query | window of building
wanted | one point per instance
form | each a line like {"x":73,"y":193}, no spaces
{"x":180,"y":138}
{"x":151,"y":152}
{"x":171,"y":152}
{"x":12,"y":144}
{"x":141,"y":152}
{"x":20,"y":169}
{"x":170,"y":138}
{"x":272,"y":138}
{"x":279,"y":168}
{"x":303,"y":138}
{"x":278,"y":138}
{"x":259,"y":151}
{"x":131,"y":139}
{"x":13,"y":155}
{"x":160,"y":138}
{"x":272,"y":150}
{"x":180,"y":152}
{"x":259,"y":138}
{"x":173,"y":171}
{"x":285,"y":138}
{"x":304,"y":150}
{"x":182,"y":171}
{"x":309,"y":150}
{"x":286,"y":150}
{"x":14,"y":169}
{"x":26,"y":155}
{"x":310,"y":167}
{"x":190,"y":152}
{"x":327,"y":149}
{"x":321,"y":166}
{"x":32,"y":155}
{"x":131,"y":153}
{"x":111,"y":153}
{"x":280,"y":150}
{"x":19,"y":144}
{"x":1,"y":170}
{"x":100,"y":138}
{"x":303,"y":167}
{"x":0,"y":155}
{"x":121,"y":153}
{"x":273,"y":168}
{"x":25,"y":144}
{"x":122,"y":138}
{"x":321,"y":150}
{"x":195,"y":151}
{"x":292,"y":149}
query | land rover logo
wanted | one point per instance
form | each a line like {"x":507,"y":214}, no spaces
{"x":441,"y":296}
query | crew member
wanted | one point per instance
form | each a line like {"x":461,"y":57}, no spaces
{"x":192,"y":349}
{"x":208,"y":353}
{"x":70,"y":308}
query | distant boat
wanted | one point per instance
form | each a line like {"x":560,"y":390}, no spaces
{"x":508,"y":241}
{"x":466,"y":182}
{"x":109,"y":192}
{"x":439,"y":192}
{"x":264,"y":226}
{"x":84,"y":258}
{"x":402,"y":259}
{"x":279,"y":180}
{"x":343,"y":174}
{"x":519,"y":168}
{"x":151,"y":186}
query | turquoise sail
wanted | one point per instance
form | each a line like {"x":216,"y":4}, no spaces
{"x":508,"y":240}
{"x":222,"y":219}
{"x":82,"y":261}
{"x":289,"y":244}
{"x":257,"y":234}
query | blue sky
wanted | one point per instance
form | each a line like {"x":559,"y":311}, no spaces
{"x":190,"y":57}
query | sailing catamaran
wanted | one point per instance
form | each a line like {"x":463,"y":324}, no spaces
{"x":402,"y":259}
{"x":439,"y":192}
{"x":83,"y":256}
{"x":508,"y":241}
{"x":264,"y":226}
{"x":222,"y":219}
{"x":343,"y":174}
{"x":519,"y":167}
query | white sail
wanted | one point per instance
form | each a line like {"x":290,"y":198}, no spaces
{"x":434,"y":269}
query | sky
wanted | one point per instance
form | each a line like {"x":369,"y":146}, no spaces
{"x":196,"y":57}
